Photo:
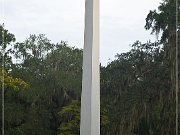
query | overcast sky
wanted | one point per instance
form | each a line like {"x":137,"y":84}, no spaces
{"x":122,"y":22}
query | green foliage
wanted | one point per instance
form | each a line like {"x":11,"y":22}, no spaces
{"x":5,"y":37}
{"x":163,"y":20}
{"x":137,"y":88}
{"x":11,"y":83}
{"x":54,"y":79}
{"x":14,"y":107}
{"x":6,"y":40}
{"x":34,"y":46}
{"x":70,"y":119}
{"x":70,"y":116}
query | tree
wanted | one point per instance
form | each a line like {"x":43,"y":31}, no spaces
{"x":6,"y":40}
{"x":34,"y":46}
{"x":164,"y":20}
{"x":14,"y":111}
{"x":70,"y":119}
{"x":136,"y":92}
{"x":135,"y":89}
{"x":54,"y":78}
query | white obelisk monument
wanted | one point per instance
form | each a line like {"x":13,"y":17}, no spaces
{"x":90,"y":98}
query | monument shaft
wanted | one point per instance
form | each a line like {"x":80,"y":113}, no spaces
{"x":90,"y":98}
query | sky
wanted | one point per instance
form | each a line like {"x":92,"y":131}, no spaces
{"x":121,"y":22}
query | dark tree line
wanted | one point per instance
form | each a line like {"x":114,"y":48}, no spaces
{"x":43,"y":84}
